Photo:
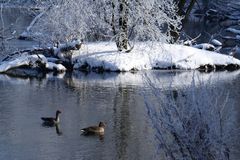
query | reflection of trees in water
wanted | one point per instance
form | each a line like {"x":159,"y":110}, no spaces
{"x":122,"y":102}
{"x":121,"y":120}
{"x":196,"y":122}
{"x":83,"y":90}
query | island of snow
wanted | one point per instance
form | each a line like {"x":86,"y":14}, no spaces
{"x":146,"y":56}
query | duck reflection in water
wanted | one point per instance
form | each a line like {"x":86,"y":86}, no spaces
{"x":57,"y":127}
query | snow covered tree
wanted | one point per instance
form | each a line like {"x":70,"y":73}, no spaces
{"x":61,"y":21}
{"x":123,"y":21}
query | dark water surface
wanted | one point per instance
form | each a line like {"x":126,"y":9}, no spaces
{"x":117,"y":99}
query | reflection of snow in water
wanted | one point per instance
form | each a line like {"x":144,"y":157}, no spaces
{"x":163,"y":79}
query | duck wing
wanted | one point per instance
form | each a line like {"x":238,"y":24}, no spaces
{"x":91,"y":129}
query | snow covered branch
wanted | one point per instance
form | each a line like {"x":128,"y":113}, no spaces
{"x":47,"y":59}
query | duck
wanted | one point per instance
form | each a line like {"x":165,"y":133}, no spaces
{"x":94,"y":129}
{"x":52,"y":120}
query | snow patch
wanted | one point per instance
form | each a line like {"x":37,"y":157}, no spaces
{"x":23,"y":60}
{"x":205,"y":46}
{"x":216,"y":42}
{"x":31,"y":61}
{"x":54,"y":66}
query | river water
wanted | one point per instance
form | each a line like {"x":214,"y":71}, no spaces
{"x":125,"y":102}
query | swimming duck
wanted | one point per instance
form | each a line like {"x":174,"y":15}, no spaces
{"x":51,"y":120}
{"x":94,"y":129}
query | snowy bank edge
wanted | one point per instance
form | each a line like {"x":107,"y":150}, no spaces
{"x":32,"y":61}
{"x":104,"y":57}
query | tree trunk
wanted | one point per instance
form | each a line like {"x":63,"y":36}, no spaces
{"x":181,"y":5}
{"x":189,"y":9}
{"x":122,"y":37}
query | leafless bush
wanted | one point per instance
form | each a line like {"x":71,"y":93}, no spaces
{"x":195,"y":122}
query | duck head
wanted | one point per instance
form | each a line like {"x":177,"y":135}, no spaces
{"x":101,"y":124}
{"x":58,"y":112}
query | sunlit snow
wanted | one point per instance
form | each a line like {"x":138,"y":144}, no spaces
{"x":148,"y":56}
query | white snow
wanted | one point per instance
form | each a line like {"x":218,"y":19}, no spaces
{"x":205,"y":46}
{"x":69,"y":44}
{"x":147,"y":56}
{"x":30,"y":60}
{"x":54,"y":66}
{"x":24,"y":59}
{"x":216,"y":42}
{"x":144,"y":56}
{"x":188,"y":42}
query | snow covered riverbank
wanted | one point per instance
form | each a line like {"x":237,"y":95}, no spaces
{"x":31,"y":61}
{"x":105,"y":57}
{"x":148,"y":56}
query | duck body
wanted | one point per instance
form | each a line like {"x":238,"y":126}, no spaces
{"x":94,"y":129}
{"x":51,"y":120}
